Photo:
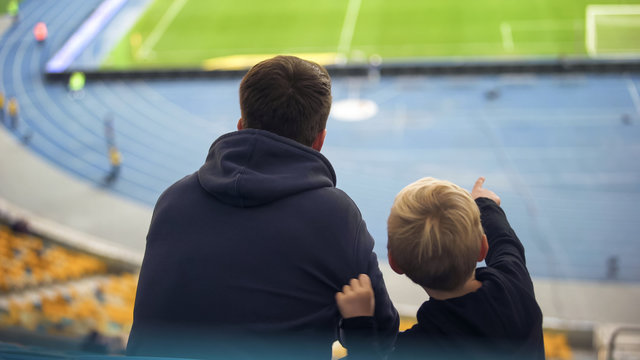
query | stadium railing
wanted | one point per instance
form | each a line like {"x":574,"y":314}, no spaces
{"x":446,"y":66}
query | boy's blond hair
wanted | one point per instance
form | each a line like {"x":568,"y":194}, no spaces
{"x":435,"y":233}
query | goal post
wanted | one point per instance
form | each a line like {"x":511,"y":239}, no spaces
{"x":612,"y":30}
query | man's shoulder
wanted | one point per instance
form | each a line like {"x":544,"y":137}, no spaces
{"x":330,"y":197}
{"x":178,"y":189}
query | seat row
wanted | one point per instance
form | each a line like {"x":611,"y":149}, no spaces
{"x":48,"y":288}
{"x":29,"y":261}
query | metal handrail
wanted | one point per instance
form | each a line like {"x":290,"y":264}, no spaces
{"x":614,"y":335}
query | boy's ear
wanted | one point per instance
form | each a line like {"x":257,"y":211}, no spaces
{"x":393,"y":264}
{"x":484,"y":248}
{"x":319,"y":140}
{"x":240,"y":125}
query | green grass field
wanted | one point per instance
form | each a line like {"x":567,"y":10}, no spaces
{"x":228,"y":33}
{"x":3,"y":6}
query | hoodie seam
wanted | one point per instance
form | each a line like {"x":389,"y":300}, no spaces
{"x":242,"y":171}
{"x":356,"y":242}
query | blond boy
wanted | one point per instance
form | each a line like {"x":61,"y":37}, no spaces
{"x":437,"y":234}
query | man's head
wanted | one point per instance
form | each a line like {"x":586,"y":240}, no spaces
{"x":435,"y":234}
{"x":287,"y":96}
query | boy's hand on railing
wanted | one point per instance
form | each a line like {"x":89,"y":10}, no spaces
{"x":357,"y":298}
{"x":478,"y":191}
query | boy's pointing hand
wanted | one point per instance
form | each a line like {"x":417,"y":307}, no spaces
{"x":478,"y":191}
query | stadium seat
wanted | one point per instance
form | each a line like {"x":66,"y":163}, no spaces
{"x":46,"y":288}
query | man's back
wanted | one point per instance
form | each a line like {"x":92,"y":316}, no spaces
{"x":250,"y":250}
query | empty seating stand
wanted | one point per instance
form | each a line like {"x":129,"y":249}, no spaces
{"x":48,"y":289}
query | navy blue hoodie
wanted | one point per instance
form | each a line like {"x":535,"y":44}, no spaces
{"x":244,"y":256}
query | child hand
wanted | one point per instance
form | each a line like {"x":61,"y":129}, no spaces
{"x":478,"y":191}
{"x":356,"y":299}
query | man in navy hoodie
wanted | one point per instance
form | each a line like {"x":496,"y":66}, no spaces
{"x":244,"y":255}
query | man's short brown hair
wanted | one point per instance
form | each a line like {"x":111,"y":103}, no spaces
{"x":435,"y":234}
{"x":288,"y":96}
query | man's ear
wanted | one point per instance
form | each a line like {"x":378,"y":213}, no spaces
{"x":240,"y":124}
{"x":393,"y":264}
{"x":319,"y":141}
{"x":484,"y":248}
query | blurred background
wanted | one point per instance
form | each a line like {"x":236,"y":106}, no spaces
{"x":107,"y":103}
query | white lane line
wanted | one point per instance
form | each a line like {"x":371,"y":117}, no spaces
{"x":547,"y":25}
{"x":633,"y":91}
{"x":507,"y":37}
{"x":349,"y":26}
{"x":161,"y":27}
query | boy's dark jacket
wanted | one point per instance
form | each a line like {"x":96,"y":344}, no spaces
{"x":250,"y":250}
{"x":501,"y":319}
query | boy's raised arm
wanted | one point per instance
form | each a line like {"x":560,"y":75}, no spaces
{"x":505,"y":249}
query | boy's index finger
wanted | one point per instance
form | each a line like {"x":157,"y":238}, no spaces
{"x":479,"y":182}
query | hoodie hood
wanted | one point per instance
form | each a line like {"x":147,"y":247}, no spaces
{"x":254,"y":167}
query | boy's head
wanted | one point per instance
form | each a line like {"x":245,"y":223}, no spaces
{"x":435,"y":234}
{"x":287,"y":96}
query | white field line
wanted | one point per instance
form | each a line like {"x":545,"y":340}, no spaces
{"x":546,"y":25}
{"x":161,"y":27}
{"x":349,"y":26}
{"x":613,"y":9}
{"x":507,"y":37}
{"x":590,"y":32}
{"x":471,"y":46}
{"x":633,"y":91}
